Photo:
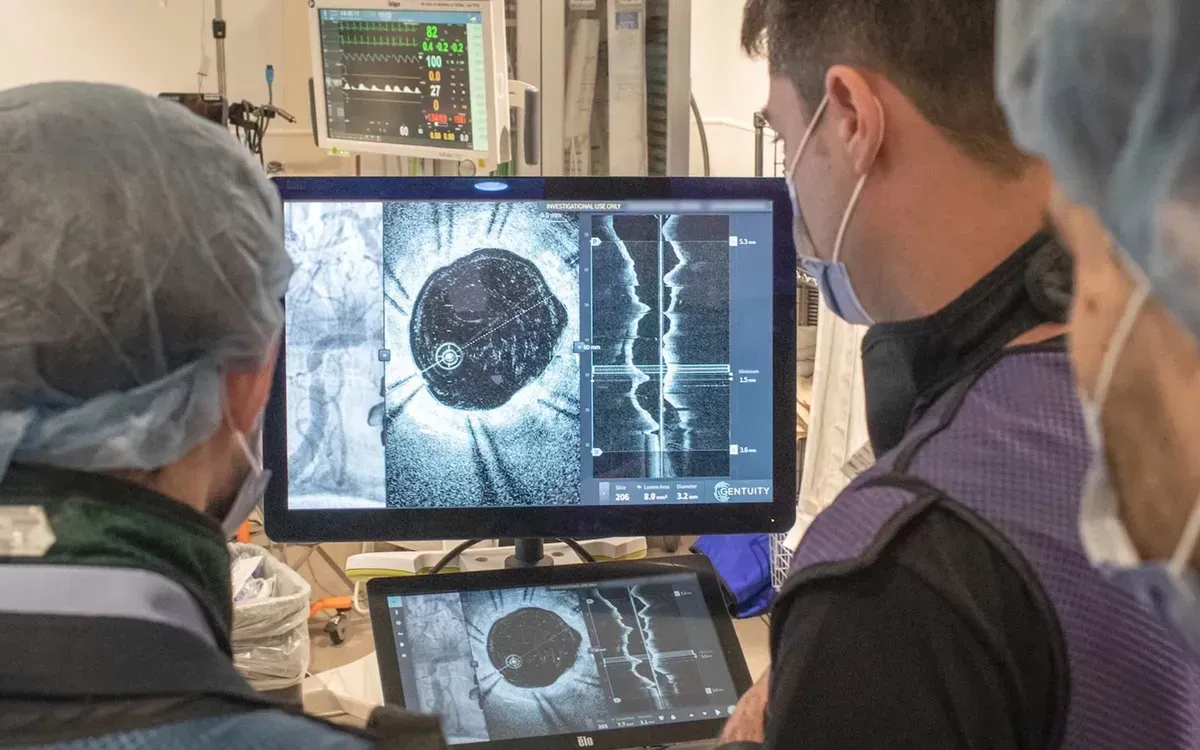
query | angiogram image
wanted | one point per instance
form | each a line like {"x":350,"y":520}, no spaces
{"x":661,"y":377}
{"x":642,"y":647}
{"x":533,"y":662}
{"x":441,"y":659}
{"x":334,"y":377}
{"x":482,"y":386}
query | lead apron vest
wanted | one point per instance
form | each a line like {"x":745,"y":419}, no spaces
{"x":1009,"y":445}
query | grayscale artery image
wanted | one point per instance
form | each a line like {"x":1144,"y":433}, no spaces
{"x":535,"y":669}
{"x":445,"y":683}
{"x":334,"y":332}
{"x":645,"y":656}
{"x":480,"y":403}
{"x":531,"y":662}
{"x":661,"y":322}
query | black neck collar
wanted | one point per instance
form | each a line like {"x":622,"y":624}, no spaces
{"x":907,"y":365}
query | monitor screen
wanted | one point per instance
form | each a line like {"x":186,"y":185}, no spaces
{"x":405,"y":77}
{"x":514,"y":354}
{"x":570,"y":659}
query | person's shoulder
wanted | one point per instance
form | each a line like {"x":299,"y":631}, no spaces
{"x":947,"y":630}
{"x":902,"y":521}
{"x":1031,"y":389}
{"x":253,"y":730}
{"x":938,"y":566}
{"x":858,"y":524}
{"x":237,"y":727}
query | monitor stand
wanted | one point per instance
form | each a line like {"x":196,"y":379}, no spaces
{"x":488,"y":556}
{"x":529,"y":553}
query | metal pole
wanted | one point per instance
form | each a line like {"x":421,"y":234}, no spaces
{"x":219,"y":22}
{"x":760,"y":125}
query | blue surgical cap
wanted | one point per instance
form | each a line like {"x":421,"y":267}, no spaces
{"x":141,"y":253}
{"x":1108,"y":91}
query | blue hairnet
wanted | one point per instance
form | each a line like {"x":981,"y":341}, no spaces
{"x":1108,"y":91}
{"x":141,"y":252}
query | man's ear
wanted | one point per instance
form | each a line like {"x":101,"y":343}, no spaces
{"x":859,"y":116}
{"x":247,"y":391}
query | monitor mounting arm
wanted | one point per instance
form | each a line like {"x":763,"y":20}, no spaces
{"x":526,"y":99}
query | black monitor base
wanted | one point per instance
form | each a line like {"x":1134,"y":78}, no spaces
{"x":527,"y":553}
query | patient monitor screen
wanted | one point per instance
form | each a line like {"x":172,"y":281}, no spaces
{"x":530,"y":662}
{"x":503,"y":354}
{"x":411,"y":78}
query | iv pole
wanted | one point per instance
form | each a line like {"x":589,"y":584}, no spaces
{"x":219,"y":37}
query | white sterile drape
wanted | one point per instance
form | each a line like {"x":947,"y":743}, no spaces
{"x":837,"y":428}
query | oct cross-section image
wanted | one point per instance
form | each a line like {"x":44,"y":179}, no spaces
{"x":483,"y":327}
{"x":481,"y":383}
{"x":534,"y":666}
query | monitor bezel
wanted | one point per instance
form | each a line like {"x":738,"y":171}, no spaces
{"x":378,"y":589}
{"x":495,"y":72}
{"x":389,"y":524}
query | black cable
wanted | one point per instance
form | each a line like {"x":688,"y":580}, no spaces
{"x":464,"y":546}
{"x":703,"y":137}
{"x":579,"y":550}
{"x":449,"y":556}
{"x":262,"y":135}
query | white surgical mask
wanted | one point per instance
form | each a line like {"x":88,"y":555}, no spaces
{"x":832,"y":277}
{"x":250,"y":494}
{"x":1169,"y":589}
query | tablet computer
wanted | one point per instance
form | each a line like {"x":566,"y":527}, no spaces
{"x":609,"y":655}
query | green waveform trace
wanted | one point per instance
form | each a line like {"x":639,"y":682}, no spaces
{"x":380,"y":41}
{"x":385,"y":26}
{"x":381,"y":57}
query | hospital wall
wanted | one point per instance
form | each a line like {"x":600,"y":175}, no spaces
{"x":152,"y":45}
{"x":155,"y":46}
{"x":729,"y":88}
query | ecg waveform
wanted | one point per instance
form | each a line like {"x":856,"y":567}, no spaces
{"x":380,"y":57}
{"x":387,"y":26}
{"x":378,"y":34}
{"x":385,"y":89}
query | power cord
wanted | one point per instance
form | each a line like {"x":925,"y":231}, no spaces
{"x":703,"y":137}
{"x":458,"y":549}
{"x":251,"y":122}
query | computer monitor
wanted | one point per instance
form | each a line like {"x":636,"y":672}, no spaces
{"x":571,"y":357}
{"x":607,"y":656}
{"x":418,"y":78}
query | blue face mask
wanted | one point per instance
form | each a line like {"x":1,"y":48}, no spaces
{"x":1169,"y":589}
{"x":832,"y":277}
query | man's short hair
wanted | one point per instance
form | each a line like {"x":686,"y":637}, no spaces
{"x":938,"y":53}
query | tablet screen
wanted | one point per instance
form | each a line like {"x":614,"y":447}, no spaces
{"x":528,"y":662}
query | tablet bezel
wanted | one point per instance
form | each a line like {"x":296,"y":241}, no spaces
{"x":379,"y":589}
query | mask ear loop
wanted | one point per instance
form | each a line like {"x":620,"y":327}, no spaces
{"x":841,"y":235}
{"x":1116,"y":344}
{"x":1187,"y":543}
{"x":243,"y":442}
{"x":808,"y":134}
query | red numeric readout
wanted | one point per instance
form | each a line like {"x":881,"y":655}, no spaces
{"x":441,"y":118}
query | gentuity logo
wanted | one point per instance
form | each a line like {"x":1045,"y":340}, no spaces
{"x":723,"y":492}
